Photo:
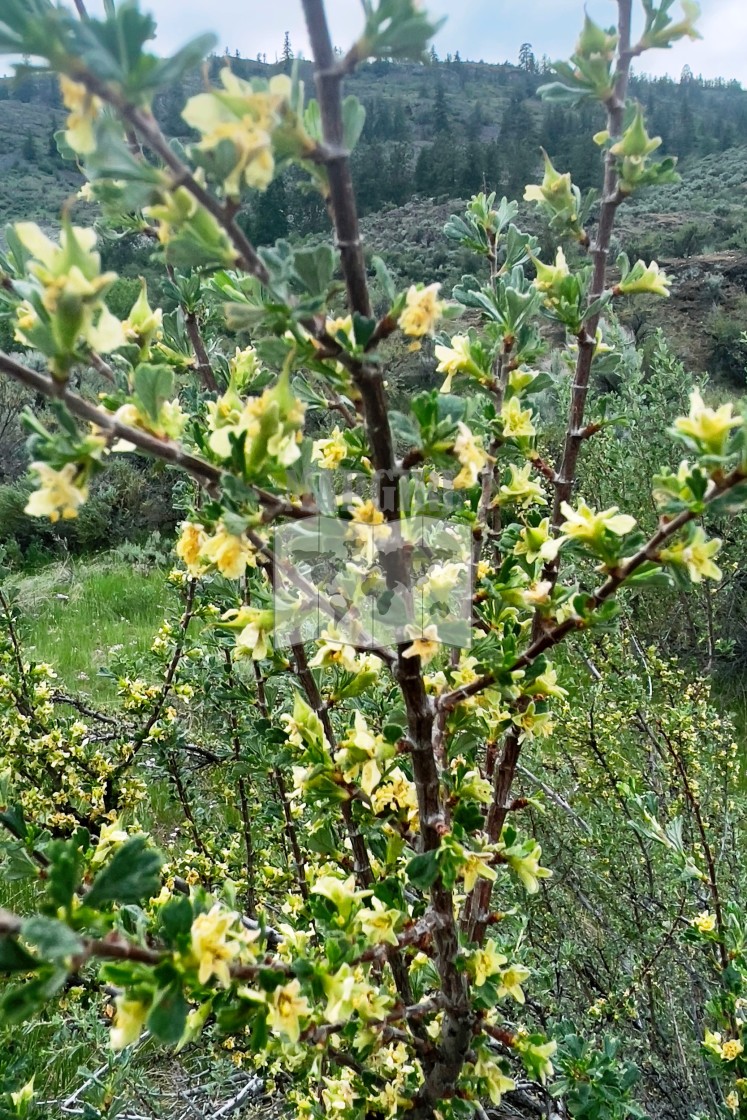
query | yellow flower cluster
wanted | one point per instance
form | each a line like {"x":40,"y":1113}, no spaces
{"x":422,"y":311}
{"x":246,"y":116}
{"x":226,"y":551}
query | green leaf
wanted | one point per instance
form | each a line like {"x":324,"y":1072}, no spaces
{"x":315,"y":268}
{"x":422,"y":870}
{"x":353,"y":121}
{"x":132,"y":875}
{"x":54,"y":940}
{"x":64,"y":873}
{"x":14,"y":958}
{"x":385,"y":278}
{"x":153,"y":385}
{"x":21,"y":1002}
{"x":176,"y":919}
{"x":168,"y":1016}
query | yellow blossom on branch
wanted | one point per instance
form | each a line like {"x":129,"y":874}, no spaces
{"x":471,"y":455}
{"x":696,"y":554}
{"x":517,"y":421}
{"x":247,"y":118}
{"x":330,"y":452}
{"x":58,"y":495}
{"x":84,"y":109}
{"x":704,"y":923}
{"x":129,"y":1020}
{"x":287,"y":1007}
{"x":422,"y":311}
{"x":230,"y":553}
{"x":708,"y":427}
{"x":585,"y":524}
{"x":486,"y":962}
{"x":189,"y":547}
{"x":216,"y":944}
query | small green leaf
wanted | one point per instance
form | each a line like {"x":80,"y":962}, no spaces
{"x":14,"y":958}
{"x":132,"y":875}
{"x":353,"y":121}
{"x":422,"y":870}
{"x":54,"y":940}
{"x":315,"y":268}
{"x":153,"y":385}
{"x":168,"y":1016}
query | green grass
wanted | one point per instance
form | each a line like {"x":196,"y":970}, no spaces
{"x":74,"y":615}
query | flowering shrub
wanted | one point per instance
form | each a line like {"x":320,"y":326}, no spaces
{"x":382,"y":771}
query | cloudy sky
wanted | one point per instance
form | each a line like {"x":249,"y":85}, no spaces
{"x":491,"y":30}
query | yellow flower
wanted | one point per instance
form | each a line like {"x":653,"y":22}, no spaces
{"x":556,"y":190}
{"x":704,"y":923}
{"x":398,"y":792}
{"x":330,"y":452}
{"x":343,"y":325}
{"x":215,"y":944}
{"x":129,"y":1020}
{"x":475,"y":867}
{"x":23,"y":1097}
{"x":190,"y":545}
{"x":731,"y":1049}
{"x":379,"y":923}
{"x":696,"y":554}
{"x":246,"y":118}
{"x":496,"y":1082}
{"x":339,"y":1094}
{"x":712,"y":1042}
{"x":522,"y":490}
{"x":229,"y":553}
{"x":517,"y":422}
{"x":732,"y":1101}
{"x":511,"y":980}
{"x":110,"y":836}
{"x":546,"y":684}
{"x":286,"y":1009}
{"x":341,"y":893}
{"x":643,"y":279}
{"x":58,"y":494}
{"x":84,"y":109}
{"x":585,"y":524}
{"x":536,"y":543}
{"x":426,"y":644}
{"x":539,"y":1054}
{"x":357,"y":757}
{"x":707,"y":426}
{"x":422,"y":311}
{"x":454,"y":359}
{"x":255,"y":626}
{"x":524,"y":861}
{"x":486,"y":962}
{"x":472,"y":457}
{"x":551,"y":276}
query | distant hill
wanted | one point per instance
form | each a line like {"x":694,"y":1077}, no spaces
{"x":437,"y":133}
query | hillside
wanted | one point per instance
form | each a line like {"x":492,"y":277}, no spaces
{"x":434,"y":135}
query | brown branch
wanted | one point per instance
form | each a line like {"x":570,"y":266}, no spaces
{"x":207,"y":474}
{"x":648,"y":553}
{"x":204,"y":368}
{"x":243,"y":788}
{"x":611,"y":200}
{"x":143,"y":123}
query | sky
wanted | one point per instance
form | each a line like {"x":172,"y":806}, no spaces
{"x":491,"y":30}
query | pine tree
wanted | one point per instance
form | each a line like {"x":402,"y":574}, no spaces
{"x":28,"y":151}
{"x":287,"y":55}
{"x":440,"y":110}
{"x":527,"y":60}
